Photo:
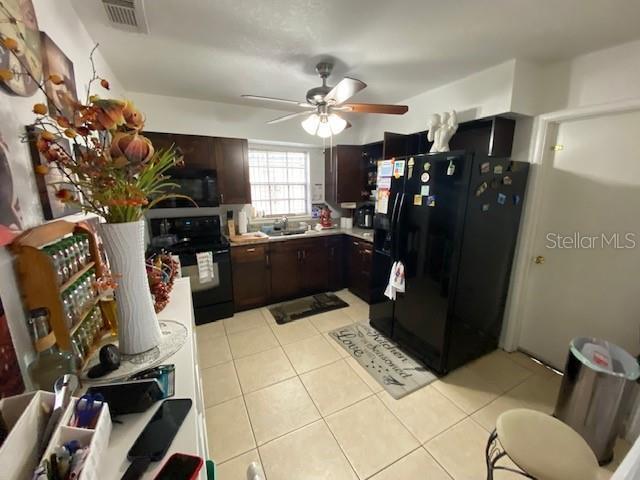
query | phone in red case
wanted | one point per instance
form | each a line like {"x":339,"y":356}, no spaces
{"x":180,"y":466}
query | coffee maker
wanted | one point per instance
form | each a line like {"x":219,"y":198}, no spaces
{"x":364,"y":216}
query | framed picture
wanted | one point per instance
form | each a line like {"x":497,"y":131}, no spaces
{"x":10,"y":377}
{"x":48,"y":184}
{"x":54,"y":61}
{"x":18,"y":21}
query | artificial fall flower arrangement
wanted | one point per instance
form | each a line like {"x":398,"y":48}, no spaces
{"x":115,"y":170}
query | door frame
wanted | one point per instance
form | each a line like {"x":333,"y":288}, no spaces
{"x":545,"y":128}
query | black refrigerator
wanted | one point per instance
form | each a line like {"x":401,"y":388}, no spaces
{"x":452,"y":219}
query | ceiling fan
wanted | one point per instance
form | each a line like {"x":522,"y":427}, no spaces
{"x":324,"y":101}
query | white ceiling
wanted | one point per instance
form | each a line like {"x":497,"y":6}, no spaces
{"x":220,"y":49}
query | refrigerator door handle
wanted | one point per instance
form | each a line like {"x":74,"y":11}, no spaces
{"x":392,"y":227}
{"x":397,"y":230}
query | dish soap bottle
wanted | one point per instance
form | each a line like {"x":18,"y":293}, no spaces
{"x":50,"y":363}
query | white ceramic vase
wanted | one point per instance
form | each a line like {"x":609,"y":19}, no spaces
{"x":138,"y":328}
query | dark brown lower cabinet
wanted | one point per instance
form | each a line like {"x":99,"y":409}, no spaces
{"x":335,"y":263}
{"x":298,"y":267}
{"x":278,"y":271}
{"x":285,"y":265}
{"x":251,"y":276}
{"x":359,"y":267}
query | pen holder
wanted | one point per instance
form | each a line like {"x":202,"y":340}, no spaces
{"x":26,"y":416}
{"x":97,"y":439}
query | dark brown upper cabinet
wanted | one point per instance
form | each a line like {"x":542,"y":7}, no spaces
{"x":232,"y":164}
{"x":345,"y":174}
{"x":228,"y":156}
{"x":198,"y":150}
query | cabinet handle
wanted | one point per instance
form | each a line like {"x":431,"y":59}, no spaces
{"x":222,"y":198}
{"x":356,"y":244}
{"x":333,"y":251}
{"x":304,"y":254}
{"x":299,"y":256}
{"x":250,"y":250}
{"x":267,"y":260}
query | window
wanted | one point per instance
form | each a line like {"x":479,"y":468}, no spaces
{"x":279,"y":183}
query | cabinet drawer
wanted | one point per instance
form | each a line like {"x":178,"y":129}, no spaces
{"x":248,"y":253}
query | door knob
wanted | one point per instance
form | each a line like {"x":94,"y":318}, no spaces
{"x":539,"y":259}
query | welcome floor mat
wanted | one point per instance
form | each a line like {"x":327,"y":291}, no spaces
{"x":398,"y":373}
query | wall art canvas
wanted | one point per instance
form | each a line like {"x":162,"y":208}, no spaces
{"x":54,"y":61}
{"x":10,"y":376}
{"x":19,"y":203}
{"x":55,"y":179}
{"x":18,"y":21}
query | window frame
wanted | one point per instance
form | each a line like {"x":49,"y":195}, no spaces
{"x":270,"y":150}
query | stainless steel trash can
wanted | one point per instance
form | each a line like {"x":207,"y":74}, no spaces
{"x":593,"y":398}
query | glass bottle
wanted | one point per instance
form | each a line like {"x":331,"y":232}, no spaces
{"x":50,"y":363}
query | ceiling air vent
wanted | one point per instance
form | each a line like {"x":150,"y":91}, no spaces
{"x":127,"y":15}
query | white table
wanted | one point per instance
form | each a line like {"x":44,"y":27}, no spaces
{"x":192,"y":436}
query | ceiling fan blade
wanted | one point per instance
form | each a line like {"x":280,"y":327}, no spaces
{"x":278,"y":100}
{"x":344,"y":90}
{"x":373,"y":108}
{"x":287,"y":117}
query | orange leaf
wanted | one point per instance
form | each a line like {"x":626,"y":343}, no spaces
{"x":40,"y":109}
{"x":105,"y":84}
{"x":5,"y":74}
{"x":56,"y":79}
{"x":70,"y":132}
{"x":42,"y":169}
{"x":10,"y":43}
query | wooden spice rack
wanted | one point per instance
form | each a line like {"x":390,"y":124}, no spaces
{"x":38,"y":278}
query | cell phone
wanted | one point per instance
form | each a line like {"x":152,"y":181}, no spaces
{"x":180,"y":466}
{"x":155,"y":439}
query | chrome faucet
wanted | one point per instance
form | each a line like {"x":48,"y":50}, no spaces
{"x":283,"y":223}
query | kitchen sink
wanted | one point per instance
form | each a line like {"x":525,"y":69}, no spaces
{"x":286,"y":233}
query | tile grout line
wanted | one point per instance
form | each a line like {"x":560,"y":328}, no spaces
{"x":246,"y":409}
{"x":322,"y":417}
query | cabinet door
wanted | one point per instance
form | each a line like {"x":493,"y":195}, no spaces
{"x":354,"y":264}
{"x":251,"y":276}
{"x":197,"y":150}
{"x":314,"y":267}
{"x":366,"y":262}
{"x":232,"y":160}
{"x":335,"y":261}
{"x":350,"y":170}
{"x":285,"y":266}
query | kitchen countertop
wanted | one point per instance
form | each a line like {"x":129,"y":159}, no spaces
{"x":192,"y":435}
{"x":361,"y":233}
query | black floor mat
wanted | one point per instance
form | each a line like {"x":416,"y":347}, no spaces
{"x":306,"y":307}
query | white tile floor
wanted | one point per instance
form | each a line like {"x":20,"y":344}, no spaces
{"x":290,"y":398}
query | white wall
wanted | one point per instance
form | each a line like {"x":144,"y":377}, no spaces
{"x":60,"y":22}
{"x":482,"y":94}
{"x":603,"y":76}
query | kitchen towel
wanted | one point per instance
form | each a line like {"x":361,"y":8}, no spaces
{"x":396,"y":280}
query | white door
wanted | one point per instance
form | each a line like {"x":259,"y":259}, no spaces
{"x":588,"y":234}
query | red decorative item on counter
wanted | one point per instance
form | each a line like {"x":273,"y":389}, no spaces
{"x":161,"y":272}
{"x":325,"y":218}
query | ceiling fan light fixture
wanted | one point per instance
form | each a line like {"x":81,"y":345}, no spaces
{"x":336,"y":123}
{"x":310,"y":124}
{"x":324,"y":129}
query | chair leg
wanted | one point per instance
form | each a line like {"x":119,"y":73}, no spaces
{"x":488,"y":454}
{"x":493,"y":454}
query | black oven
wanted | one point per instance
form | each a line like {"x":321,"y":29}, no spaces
{"x":187,"y":237}
{"x":198,"y":184}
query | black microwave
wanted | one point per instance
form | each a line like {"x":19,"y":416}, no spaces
{"x":199,"y":185}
